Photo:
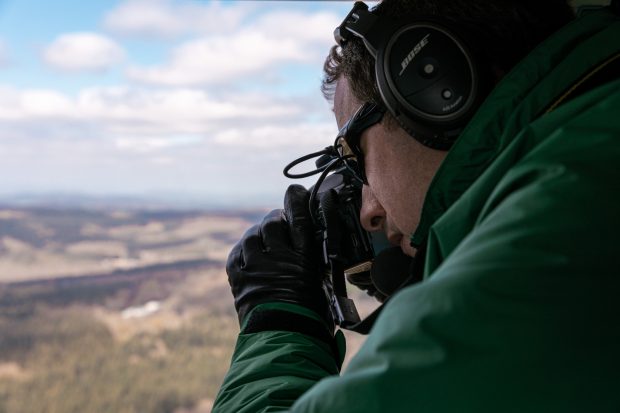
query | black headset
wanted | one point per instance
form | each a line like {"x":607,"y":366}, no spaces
{"x":428,"y":77}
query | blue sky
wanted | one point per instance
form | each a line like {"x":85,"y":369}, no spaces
{"x":162,"y":97}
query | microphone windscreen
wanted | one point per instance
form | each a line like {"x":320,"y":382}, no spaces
{"x":390,"y":269}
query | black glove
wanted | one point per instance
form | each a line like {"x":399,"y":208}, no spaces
{"x":279,"y":261}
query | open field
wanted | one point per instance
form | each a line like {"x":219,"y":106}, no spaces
{"x":43,"y":243}
{"x":112,"y":311}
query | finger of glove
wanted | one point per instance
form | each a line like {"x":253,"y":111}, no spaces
{"x":236,"y":276}
{"x":297,"y":213}
{"x":274,"y":232}
{"x":235,"y":263}
{"x":251,"y":247}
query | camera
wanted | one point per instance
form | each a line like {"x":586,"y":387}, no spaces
{"x":335,"y":208}
{"x":347,"y":248}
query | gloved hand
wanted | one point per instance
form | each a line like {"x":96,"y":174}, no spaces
{"x":279,"y":261}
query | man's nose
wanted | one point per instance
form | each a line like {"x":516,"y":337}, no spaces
{"x":372,"y":214}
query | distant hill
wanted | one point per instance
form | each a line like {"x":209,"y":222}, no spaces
{"x":112,"y":309}
{"x":144,"y":202}
{"x":44,"y":242}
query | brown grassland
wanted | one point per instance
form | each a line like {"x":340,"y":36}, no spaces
{"x":117,"y":311}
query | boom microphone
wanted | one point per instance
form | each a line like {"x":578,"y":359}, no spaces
{"x":390,"y":269}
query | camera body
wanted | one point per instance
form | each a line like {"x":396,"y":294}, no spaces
{"x":336,"y":211}
{"x":347,"y":248}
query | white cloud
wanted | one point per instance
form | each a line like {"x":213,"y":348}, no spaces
{"x":161,"y":18}
{"x":270,"y":136}
{"x":134,"y":140}
{"x":178,"y":133}
{"x":128,"y":110}
{"x":144,"y":119}
{"x":150,"y":144}
{"x":83,"y":51}
{"x":34,"y":104}
{"x":214,"y":60}
{"x":177,"y":110}
{"x":273,"y":40}
{"x":317,"y":27}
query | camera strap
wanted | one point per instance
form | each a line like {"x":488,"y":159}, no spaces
{"x":606,"y":71}
{"x":342,"y":307}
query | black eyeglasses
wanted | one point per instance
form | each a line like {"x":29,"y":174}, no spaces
{"x":366,"y":116}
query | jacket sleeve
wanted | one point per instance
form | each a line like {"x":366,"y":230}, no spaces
{"x":271,"y":369}
{"x":523,"y":314}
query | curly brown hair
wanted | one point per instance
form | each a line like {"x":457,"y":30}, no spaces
{"x":508,"y":29}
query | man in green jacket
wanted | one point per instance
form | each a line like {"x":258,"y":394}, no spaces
{"x":489,"y":141}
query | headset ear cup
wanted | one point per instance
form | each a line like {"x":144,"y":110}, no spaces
{"x":429,"y":81}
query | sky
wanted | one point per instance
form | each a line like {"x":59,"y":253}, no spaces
{"x":171,"y":98}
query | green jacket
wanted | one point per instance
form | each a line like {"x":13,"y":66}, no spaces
{"x":520,"y":307}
